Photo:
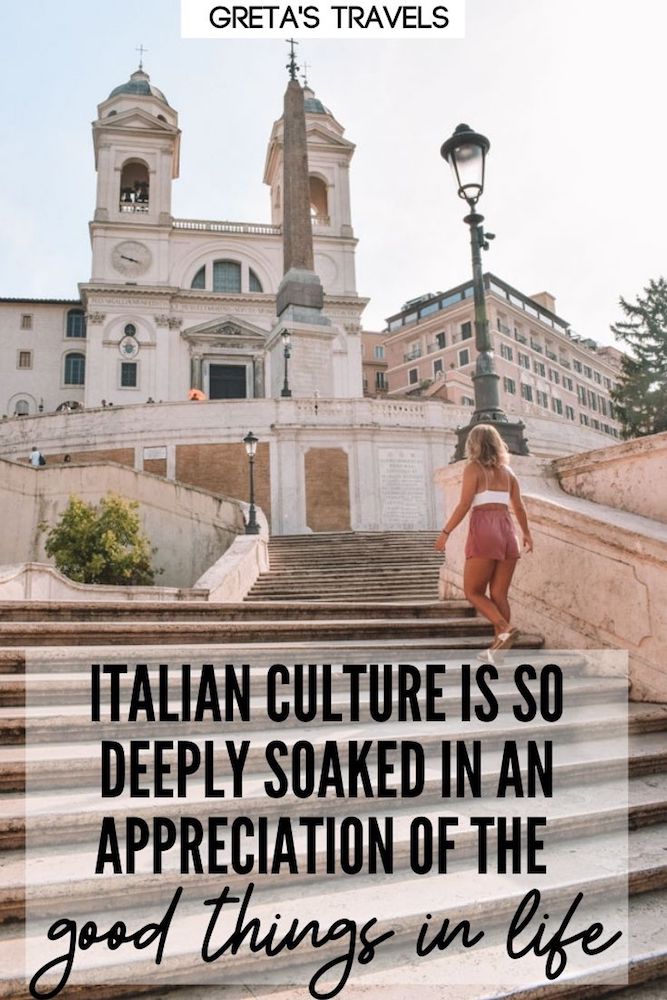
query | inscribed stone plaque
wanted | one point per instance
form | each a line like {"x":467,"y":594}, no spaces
{"x":403,"y":489}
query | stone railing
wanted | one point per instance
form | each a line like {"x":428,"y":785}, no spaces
{"x":629,"y":476}
{"x":190,"y":527}
{"x":231,"y":577}
{"x":39,"y":582}
{"x":369,"y":413}
{"x":144,"y":425}
{"x":243,"y":228}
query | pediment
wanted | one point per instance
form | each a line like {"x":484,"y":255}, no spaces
{"x":227,"y":330}
{"x":135,"y":118}
{"x":315,"y":132}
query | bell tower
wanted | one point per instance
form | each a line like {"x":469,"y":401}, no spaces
{"x":329,"y":156}
{"x":136,"y":139}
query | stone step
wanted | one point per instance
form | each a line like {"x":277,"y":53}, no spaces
{"x":315,"y":537}
{"x":342,"y":586}
{"x":574,"y":766}
{"x":400,"y":903}
{"x":350,"y":591}
{"x":56,"y":759}
{"x":47,"y":688}
{"x":65,"y":611}
{"x":49,"y":717}
{"x":61,"y":660}
{"x":366,"y":572}
{"x":101,"y":633}
{"x":65,"y":868}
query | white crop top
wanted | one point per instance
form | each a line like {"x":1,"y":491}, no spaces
{"x":493,"y":496}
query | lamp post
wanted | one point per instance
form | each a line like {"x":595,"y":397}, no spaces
{"x":286,"y":391}
{"x":465,"y":151}
{"x":250,"y":442}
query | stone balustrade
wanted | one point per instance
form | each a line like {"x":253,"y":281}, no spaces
{"x":631,"y":476}
{"x":211,"y":226}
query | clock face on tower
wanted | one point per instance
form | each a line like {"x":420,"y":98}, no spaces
{"x":131,"y":258}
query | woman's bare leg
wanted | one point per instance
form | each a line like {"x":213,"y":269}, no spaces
{"x":477,"y":575}
{"x":500,"y":585}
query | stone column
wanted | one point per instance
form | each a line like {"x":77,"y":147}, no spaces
{"x":196,"y":373}
{"x":300,"y":295}
{"x":297,"y":228}
{"x":258,"y":377}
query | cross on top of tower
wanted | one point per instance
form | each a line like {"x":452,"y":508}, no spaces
{"x":304,"y":75}
{"x":141,"y":50}
{"x":292,"y":64}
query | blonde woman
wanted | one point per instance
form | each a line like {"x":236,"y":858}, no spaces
{"x":492,"y":549}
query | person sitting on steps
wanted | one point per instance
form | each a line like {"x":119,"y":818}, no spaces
{"x":492,"y":549}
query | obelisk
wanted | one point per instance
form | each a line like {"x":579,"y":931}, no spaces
{"x":300,"y":296}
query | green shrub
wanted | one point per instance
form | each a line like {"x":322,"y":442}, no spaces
{"x":101,"y":543}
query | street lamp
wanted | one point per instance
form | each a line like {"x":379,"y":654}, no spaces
{"x":250,"y":442}
{"x":465,"y":151}
{"x":286,"y":391}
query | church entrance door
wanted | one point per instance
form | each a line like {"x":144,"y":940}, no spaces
{"x":227,"y":382}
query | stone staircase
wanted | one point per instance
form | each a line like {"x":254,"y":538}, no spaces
{"x":351,"y":567}
{"x":365,"y":617}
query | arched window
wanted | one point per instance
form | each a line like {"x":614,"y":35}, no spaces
{"x":254,"y":284}
{"x":134,"y":187}
{"x":75,"y":369}
{"x":76,"y":323}
{"x":319,"y":201}
{"x":199,"y":280}
{"x":22,"y":408}
{"x":226,"y":276}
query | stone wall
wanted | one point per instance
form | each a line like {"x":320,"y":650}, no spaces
{"x":327,"y":489}
{"x":393,"y":448}
{"x":631,"y":476}
{"x":190,"y":528}
{"x":596,"y":579}
{"x":223,"y":468}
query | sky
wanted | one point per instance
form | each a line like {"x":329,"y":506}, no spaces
{"x":569,"y":92}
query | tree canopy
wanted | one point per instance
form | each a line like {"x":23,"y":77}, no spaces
{"x":101,"y":543}
{"x":641,"y":395}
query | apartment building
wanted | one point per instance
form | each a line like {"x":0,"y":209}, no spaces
{"x":374,"y":363}
{"x":543,"y":364}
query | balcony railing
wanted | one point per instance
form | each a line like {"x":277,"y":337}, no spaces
{"x":504,"y":329}
{"x":413,"y":355}
{"x":133,"y":206}
{"x":551,"y":355}
{"x":209,"y":226}
{"x":520,"y":337}
{"x":537,"y":347}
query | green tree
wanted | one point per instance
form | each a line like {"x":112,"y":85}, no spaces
{"x":101,"y":544}
{"x":641,"y":394}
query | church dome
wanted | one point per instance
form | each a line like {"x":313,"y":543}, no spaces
{"x":312,"y":105}
{"x":140,"y":84}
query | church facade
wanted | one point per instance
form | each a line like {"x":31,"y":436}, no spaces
{"x":175,"y":304}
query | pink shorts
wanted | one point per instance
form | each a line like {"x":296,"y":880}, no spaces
{"x":491,"y":535}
